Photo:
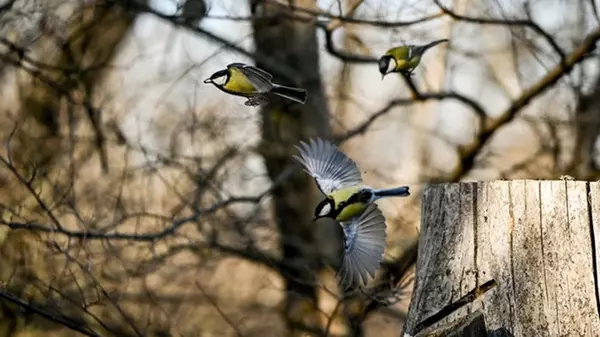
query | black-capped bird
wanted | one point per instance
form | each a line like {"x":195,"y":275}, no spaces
{"x":339,"y":179}
{"x":350,"y":202}
{"x":404,"y":59}
{"x":253,"y":83}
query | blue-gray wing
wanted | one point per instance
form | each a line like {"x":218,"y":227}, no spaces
{"x":364,"y":244}
{"x":330,"y":167}
{"x":258,"y":77}
{"x":259,"y":72}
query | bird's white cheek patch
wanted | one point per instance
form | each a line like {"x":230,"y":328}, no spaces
{"x":391,"y":66}
{"x":325,"y":209}
{"x":220,"y":80}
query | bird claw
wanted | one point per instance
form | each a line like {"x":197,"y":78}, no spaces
{"x":260,"y":100}
{"x":252,"y":102}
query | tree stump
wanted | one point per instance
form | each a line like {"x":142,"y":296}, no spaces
{"x":524,"y":253}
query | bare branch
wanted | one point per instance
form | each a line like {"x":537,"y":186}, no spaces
{"x":420,"y":97}
{"x":142,"y":237}
{"x":350,"y":18}
{"x":58,"y":319}
{"x":280,"y":69}
{"x":471,"y":151}
{"x":218,"y":309}
{"x":342,"y":55}
{"x":27,"y":184}
{"x":503,"y":22}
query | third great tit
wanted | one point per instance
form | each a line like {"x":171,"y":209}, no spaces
{"x":339,"y":179}
{"x":253,"y":83}
{"x":404,"y":59}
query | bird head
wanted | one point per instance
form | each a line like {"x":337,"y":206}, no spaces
{"x":325,"y":209}
{"x":219,"y":78}
{"x":387,"y":64}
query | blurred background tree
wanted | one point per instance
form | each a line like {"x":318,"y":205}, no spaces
{"x":139,"y":202}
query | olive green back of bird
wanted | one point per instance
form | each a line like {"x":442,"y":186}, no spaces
{"x":408,"y":57}
{"x":404,"y":60}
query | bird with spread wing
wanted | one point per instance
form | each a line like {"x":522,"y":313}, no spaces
{"x":349,"y":201}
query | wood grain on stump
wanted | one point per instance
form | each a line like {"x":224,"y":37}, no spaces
{"x":525,"y":253}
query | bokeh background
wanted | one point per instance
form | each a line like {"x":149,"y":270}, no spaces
{"x":137,"y":201}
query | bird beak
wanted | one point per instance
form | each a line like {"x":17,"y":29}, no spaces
{"x":315,"y":218}
{"x":208,"y":80}
{"x":382,"y":76}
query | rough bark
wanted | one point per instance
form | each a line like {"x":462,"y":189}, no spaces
{"x":293,"y":43}
{"x":523,"y":252}
{"x":472,"y":325}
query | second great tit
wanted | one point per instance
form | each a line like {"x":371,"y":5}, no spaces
{"x":404,"y":59}
{"x":339,"y":179}
{"x":253,"y":83}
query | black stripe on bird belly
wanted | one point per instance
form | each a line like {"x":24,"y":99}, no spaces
{"x":353,"y":206}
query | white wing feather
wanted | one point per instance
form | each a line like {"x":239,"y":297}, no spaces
{"x":364,"y":244}
{"x":330,"y":167}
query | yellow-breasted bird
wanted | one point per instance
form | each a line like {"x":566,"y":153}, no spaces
{"x":339,"y":179}
{"x":349,"y":201}
{"x":404,"y":59}
{"x":253,"y":83}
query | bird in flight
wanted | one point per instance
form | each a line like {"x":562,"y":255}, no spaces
{"x":349,"y":201}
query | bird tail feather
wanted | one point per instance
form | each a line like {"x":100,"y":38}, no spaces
{"x":294,"y":94}
{"x":431,"y":44}
{"x":392,"y":192}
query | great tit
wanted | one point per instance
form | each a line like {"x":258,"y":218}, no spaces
{"x":339,"y":179}
{"x":350,"y":202}
{"x":404,"y":59}
{"x":253,"y":83}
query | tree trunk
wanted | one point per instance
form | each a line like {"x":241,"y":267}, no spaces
{"x":523,"y":252}
{"x":73,"y":43}
{"x":587,"y":129}
{"x":81,"y":45}
{"x":294,"y":44}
